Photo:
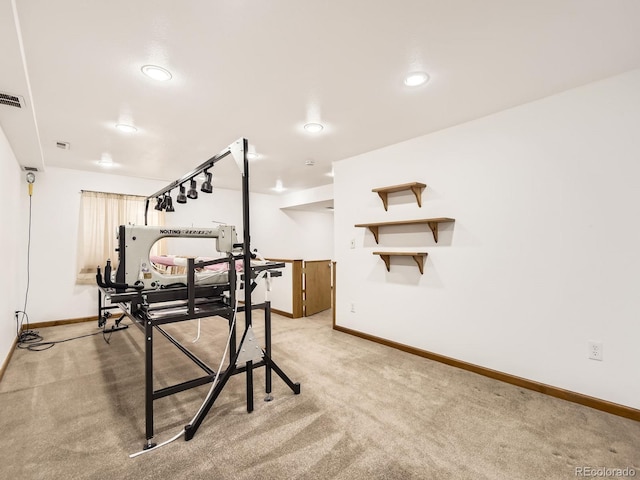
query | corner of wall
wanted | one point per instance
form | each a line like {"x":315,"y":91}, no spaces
{"x":10,"y":234}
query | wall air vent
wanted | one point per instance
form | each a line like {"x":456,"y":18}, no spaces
{"x":63,"y":145}
{"x":11,"y":100}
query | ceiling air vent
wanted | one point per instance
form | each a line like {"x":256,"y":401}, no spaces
{"x":11,"y":100}
{"x":29,"y":169}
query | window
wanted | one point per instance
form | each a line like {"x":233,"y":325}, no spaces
{"x":100,"y":215}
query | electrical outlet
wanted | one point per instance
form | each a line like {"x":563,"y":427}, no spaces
{"x":353,"y":243}
{"x":595,"y":350}
{"x":353,"y":307}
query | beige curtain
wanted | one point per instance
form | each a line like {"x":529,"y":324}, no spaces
{"x":100,"y":215}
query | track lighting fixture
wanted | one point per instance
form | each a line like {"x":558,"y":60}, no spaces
{"x":192,"y":193}
{"x":181,"y":198}
{"x":206,"y":185}
{"x":168,"y":206}
{"x":164,"y":202}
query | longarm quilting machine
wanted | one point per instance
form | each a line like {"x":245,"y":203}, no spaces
{"x":208,"y":288}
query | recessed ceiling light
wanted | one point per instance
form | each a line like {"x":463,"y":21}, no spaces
{"x":156,"y":72}
{"x":105,"y":160}
{"x":310,"y":162}
{"x":252,"y":155}
{"x":278,"y":187}
{"x":415,"y":79}
{"x":123,"y":127}
{"x":313,"y":127}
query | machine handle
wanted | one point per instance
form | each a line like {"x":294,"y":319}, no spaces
{"x":108,"y":283}
{"x":99,"y":278}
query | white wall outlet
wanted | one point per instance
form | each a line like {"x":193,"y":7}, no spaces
{"x":353,"y":307}
{"x":353,"y":243}
{"x":595,"y":350}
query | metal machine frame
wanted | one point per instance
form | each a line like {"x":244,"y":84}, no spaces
{"x":150,"y":309}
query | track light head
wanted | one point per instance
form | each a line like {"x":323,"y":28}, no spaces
{"x":169,"y":203}
{"x":206,"y":185}
{"x":159,"y":204}
{"x":181,"y":198}
{"x":192,"y":193}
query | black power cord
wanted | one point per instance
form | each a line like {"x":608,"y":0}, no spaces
{"x":39,"y":346}
{"x":25,"y":336}
{"x":32,"y":340}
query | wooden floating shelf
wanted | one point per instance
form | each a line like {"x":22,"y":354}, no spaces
{"x":432,"y":222}
{"x":415,"y":187}
{"x":417,"y":256}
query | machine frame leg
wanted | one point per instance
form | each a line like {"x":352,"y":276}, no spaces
{"x":148,"y":393}
{"x":267,"y":350}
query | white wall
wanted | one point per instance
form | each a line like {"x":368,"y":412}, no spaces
{"x":13,"y":233}
{"x":542,"y":258}
{"x":302,"y":234}
{"x":308,"y":196}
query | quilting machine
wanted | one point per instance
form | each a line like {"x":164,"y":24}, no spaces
{"x":209,"y":288}
{"x":135,"y":268}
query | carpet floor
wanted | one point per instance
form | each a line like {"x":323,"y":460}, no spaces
{"x":366,"y":411}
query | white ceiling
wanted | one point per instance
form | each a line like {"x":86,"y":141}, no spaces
{"x":261,"y":69}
